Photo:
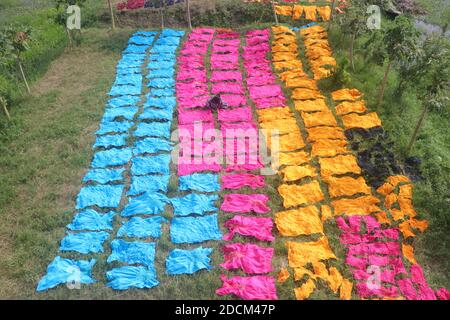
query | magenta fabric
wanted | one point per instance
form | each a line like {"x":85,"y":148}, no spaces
{"x":259,"y":228}
{"x":225,"y":49}
{"x":244,"y":203}
{"x":443,"y":294}
{"x":235,"y":115}
{"x":265,"y":91}
{"x":234,"y":100}
{"x":238,"y":181}
{"x":220,"y":76}
{"x":196,"y":102}
{"x":230,"y":43}
{"x":196,"y":131}
{"x":249,"y":288}
{"x":194,"y":148}
{"x":270,"y":102}
{"x":250,"y":258}
{"x":220,"y":65}
{"x":227,"y":87}
{"x":230,"y":58}
{"x":188,"y":169}
{"x":186,"y":117}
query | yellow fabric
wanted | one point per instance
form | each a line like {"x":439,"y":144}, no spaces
{"x":406,"y":230}
{"x":292,"y":74}
{"x":320,"y":270}
{"x":366,"y":121}
{"x":407,"y":207}
{"x":324,"y":12}
{"x":397,"y":215}
{"x":305,"y":290}
{"x":285,"y":48}
{"x":306,"y":94}
{"x":350,"y":107}
{"x":283,"y":10}
{"x":346,"y":290}
{"x":346,"y":94}
{"x":406,"y":191}
{"x":310,"y":105}
{"x":321,"y":118}
{"x":421,"y":225}
{"x":326,"y":213}
{"x":408,"y":253}
{"x":382,"y":218}
{"x":302,"y":253}
{"x":396,"y":180}
{"x":310,"y":13}
{"x":300,"y":272}
{"x":288,"y":142}
{"x":282,"y":29}
{"x":390,"y":200}
{"x":347,"y":186}
{"x":318,"y":133}
{"x":283,"y":275}
{"x":304,"y":221}
{"x":270,"y":114}
{"x":341,"y":164}
{"x":284,"y":56}
{"x":312,"y":30}
{"x":359,"y":206}
{"x":283,"y":126}
{"x":335,"y":279}
{"x":301,"y":83}
{"x":385,"y":189}
{"x":293,"y":159}
{"x":295,"y":195}
{"x":297,"y":12}
{"x":294,"y":173}
{"x":292,"y":64}
{"x":328,"y":148}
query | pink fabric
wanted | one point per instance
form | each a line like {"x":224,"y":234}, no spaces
{"x":359,"y":263}
{"x":244,"y":203}
{"x":238,"y":181}
{"x":270,"y":102}
{"x":227,"y":35}
{"x":229,"y":58}
{"x":365,"y":292}
{"x":189,"y":103}
{"x":231,"y":43}
{"x":225,"y":49}
{"x":234,"y":100}
{"x":227,"y":87}
{"x":260,"y":81}
{"x":252,"y":259}
{"x":249,"y":288}
{"x":244,"y":167}
{"x":197,"y":131}
{"x":220,"y":65}
{"x":265,"y":91}
{"x":259,"y":228}
{"x":185,"y":117}
{"x":220,"y":76}
{"x":188,"y":169}
{"x":443,"y":294}
{"x":235,"y":115}
{"x":190,"y":148}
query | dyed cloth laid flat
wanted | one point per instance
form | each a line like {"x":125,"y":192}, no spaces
{"x":235,"y":115}
{"x":238,"y":181}
{"x":265,"y":91}
{"x":110,"y":141}
{"x":151,"y":164}
{"x":133,"y":252}
{"x":310,"y":105}
{"x":151,"y":145}
{"x":249,"y":288}
{"x":161,"y":102}
{"x":91,"y":220}
{"x":259,"y":228}
{"x":303,"y":221}
{"x":318,"y":133}
{"x":156,"y":114}
{"x":111,"y":157}
{"x":104,"y":196}
{"x":342,"y":164}
{"x":127,"y":277}
{"x":154,"y":129}
{"x":242,"y":203}
{"x":185,"y":117}
{"x":302,"y":253}
{"x":350,"y":107}
{"x":127,"y":113}
{"x":320,"y":118}
{"x":252,"y":259}
{"x":367,"y":121}
{"x":358,"y":206}
{"x":123,"y":101}
{"x":195,"y":230}
{"x":220,"y":76}
{"x":114,"y":127}
{"x":226,"y":87}
{"x":147,"y":204}
{"x":138,"y":227}
{"x":293,"y":173}
{"x":194,"y":203}
{"x":234,"y":100}
{"x":188,"y":261}
{"x":328,"y":148}
{"x":206,"y":182}
{"x":62,"y":271}
{"x":188,"y":169}
{"x":142,"y":184}
{"x":347,"y":186}
{"x":346,"y":94}
{"x":84,"y":242}
{"x":295,"y":195}
{"x":104,"y":176}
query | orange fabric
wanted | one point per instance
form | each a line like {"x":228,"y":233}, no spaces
{"x":310,"y":105}
{"x":315,"y":134}
{"x":294,"y":173}
{"x":335,"y":279}
{"x":283,"y":10}
{"x":346,"y":94}
{"x":385,"y":189}
{"x":283,"y":275}
{"x":300,"y":272}
{"x":396,"y":180}
{"x":283,"y":126}
{"x":302,"y":253}
{"x":295,"y":195}
{"x":346,"y":290}
{"x":397,"y":215}
{"x":341,"y":164}
{"x":285,"y":48}
{"x":297,"y":12}
{"x":292,"y":64}
{"x":305,"y":290}
{"x":283,"y":56}
{"x":328,"y":148}
{"x":293,"y":159}
{"x":407,"y":207}
{"x":421,"y":225}
{"x":306,"y":94}
{"x":359,"y":206}
{"x":406,"y":230}
{"x":288,"y":142}
{"x":350,"y":107}
{"x":301,"y":83}
{"x":347,"y":186}
{"x":321,"y":118}
{"x":366,"y":121}
{"x":281,"y":30}
{"x":320,"y":270}
{"x":304,"y":221}
{"x":324,"y":12}
{"x":310,"y":13}
{"x":326,"y":213}
{"x":312,"y":30}
{"x":292,"y":74}
{"x":390,"y":200}
{"x":383,"y":218}
{"x":406,"y":191}
{"x":408,"y":253}
{"x":270,"y":114}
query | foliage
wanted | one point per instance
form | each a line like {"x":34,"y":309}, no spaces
{"x":401,"y":39}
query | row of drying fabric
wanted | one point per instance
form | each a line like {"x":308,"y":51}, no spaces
{"x":149,"y":171}
{"x":152,"y":4}
{"x":242,"y":157}
{"x":105,"y":181}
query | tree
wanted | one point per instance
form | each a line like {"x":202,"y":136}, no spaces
{"x":61,"y":17}
{"x":400,"y":40}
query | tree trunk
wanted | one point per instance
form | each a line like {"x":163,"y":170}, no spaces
{"x":188,"y":9}
{"x":417,"y":129}
{"x":383,"y":85}
{"x":352,"y":44}
{"x":23,"y":76}
{"x":162,"y":17}
{"x":333,"y":6}
{"x":274,"y":13}
{"x":5,"y":109}
{"x":113,"y":22}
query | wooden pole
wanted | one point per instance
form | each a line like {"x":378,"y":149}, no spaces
{"x":3,"y":103}
{"x":188,"y":9}
{"x":274,"y":12}
{"x":23,"y":76}
{"x":113,"y":22}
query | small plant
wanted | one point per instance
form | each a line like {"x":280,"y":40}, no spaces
{"x":215,"y":103}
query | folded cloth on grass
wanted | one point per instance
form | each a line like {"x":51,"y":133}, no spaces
{"x":234,"y":100}
{"x":141,"y":184}
{"x":84,"y":242}
{"x":265,"y":91}
{"x":167,"y":92}
{"x":146,"y":204}
{"x":260,"y":228}
{"x":151,"y":145}
{"x":195,"y":230}
{"x":160,"y":102}
{"x":103,"y":196}
{"x":235,"y":115}
{"x":108,"y":141}
{"x":127,"y":277}
{"x":62,"y":270}
{"x":206,"y":182}
{"x":302,"y":253}
{"x":156,"y":114}
{"x":104,"y":176}
{"x":111,"y":157}
{"x":252,"y":259}
{"x":193,"y":203}
{"x":138,"y":227}
{"x":153,"y":129}
{"x":161,"y":73}
{"x":249,"y":288}
{"x":91,"y":220}
{"x":123,"y":101}
{"x":227,"y":87}
{"x":133,"y":252}
{"x":151,"y":164}
{"x":114,"y":127}
{"x":242,"y":203}
{"x":238,"y":181}
{"x":220,"y":76}
{"x":303,"y":221}
{"x":188,"y":169}
{"x":161,"y":83}
{"x":296,"y":195}
{"x":188,"y":261}
{"x":185,"y":117}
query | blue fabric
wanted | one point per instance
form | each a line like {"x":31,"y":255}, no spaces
{"x":156,"y":114}
{"x":111,"y":157}
{"x":202,"y":182}
{"x":163,"y":49}
{"x":104,"y":176}
{"x":161,"y":73}
{"x":195,"y":230}
{"x":135,"y":49}
{"x":146,"y":33}
{"x":123,"y":101}
{"x":141,"y":184}
{"x":123,"y":90}
{"x":151,"y":164}
{"x":91,"y":220}
{"x":128,"y":71}
{"x":141,"y":40}
{"x":133,"y":57}
{"x":161,"y":83}
{"x":114,"y":127}
{"x":138,"y":227}
{"x":117,"y":140}
{"x":151,"y":145}
{"x":172,"y":33}
{"x":128,"y":64}
{"x":155,"y":58}
{"x":168,"y":41}
{"x":148,"y":203}
{"x":61,"y":271}
{"x":133,"y":252}
{"x":160,"y":103}
{"x":167,"y":92}
{"x":161,"y":65}
{"x":188,"y":261}
{"x":112,"y":113}
{"x":84,"y":242}
{"x":103,"y":196}
{"x":131,"y":79}
{"x":193,"y":203}
{"x":127,"y":277}
{"x":154,"y":129}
